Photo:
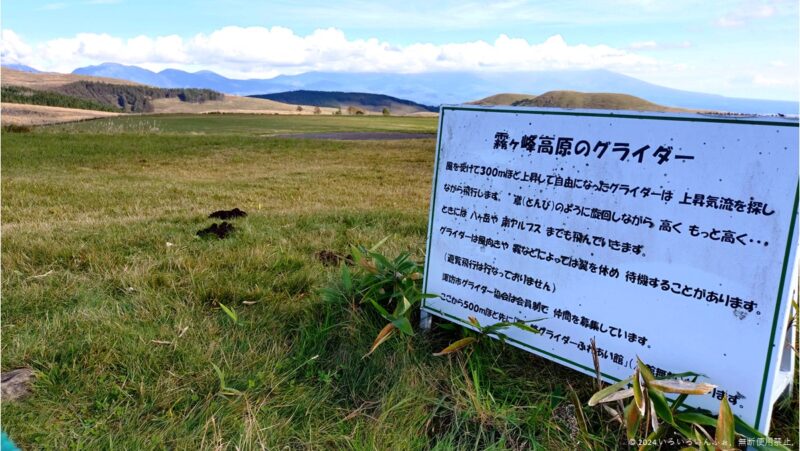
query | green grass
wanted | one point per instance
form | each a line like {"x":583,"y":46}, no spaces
{"x":109,"y":296}
{"x":248,"y":124}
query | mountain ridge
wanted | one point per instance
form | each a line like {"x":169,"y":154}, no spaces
{"x":436,"y":88}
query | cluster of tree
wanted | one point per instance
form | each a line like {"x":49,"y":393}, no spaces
{"x":351,"y":110}
{"x":20,"y":94}
{"x":134,"y":98}
{"x":317,"y":110}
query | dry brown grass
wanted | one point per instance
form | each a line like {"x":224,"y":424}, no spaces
{"x":233,"y":104}
{"x":24,"y":114}
{"x":423,"y":114}
{"x":230,"y":104}
{"x":252,"y":105}
{"x":51,"y":80}
{"x":21,"y":114}
{"x":575,"y":99}
{"x":502,"y":99}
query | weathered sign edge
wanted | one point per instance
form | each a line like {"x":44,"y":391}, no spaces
{"x":780,"y":312}
{"x":791,"y":244}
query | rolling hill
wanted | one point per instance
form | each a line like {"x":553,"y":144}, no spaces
{"x":27,"y":115}
{"x":436,"y":88}
{"x":574,"y":99}
{"x":369,"y":102}
{"x":501,"y":99}
{"x":602,"y":101}
{"x":28,"y":96}
{"x":103,"y":96}
{"x":49,"y":80}
{"x":32,"y":97}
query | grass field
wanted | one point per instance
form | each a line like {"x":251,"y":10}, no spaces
{"x":114,"y":302}
{"x":249,"y":124}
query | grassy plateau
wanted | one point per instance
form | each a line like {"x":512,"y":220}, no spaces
{"x":115,"y":303}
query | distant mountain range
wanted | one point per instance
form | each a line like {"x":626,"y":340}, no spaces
{"x":22,"y":68}
{"x":360,"y":100}
{"x":438,"y":88}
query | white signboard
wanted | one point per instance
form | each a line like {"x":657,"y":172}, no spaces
{"x":665,"y":236}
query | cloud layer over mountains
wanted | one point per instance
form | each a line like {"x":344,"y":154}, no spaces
{"x":247,"y":52}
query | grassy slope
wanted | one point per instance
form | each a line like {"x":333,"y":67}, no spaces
{"x":134,"y":99}
{"x":89,"y":282}
{"x":26,"y":115}
{"x":23,"y":95}
{"x":600,"y":100}
{"x":575,"y":99}
{"x":48,"y":80}
{"x":502,"y":99}
{"x":231,"y":103}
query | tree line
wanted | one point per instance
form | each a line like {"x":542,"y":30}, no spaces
{"x":88,"y":95}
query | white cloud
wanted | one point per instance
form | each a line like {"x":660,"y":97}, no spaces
{"x":12,"y":48}
{"x":52,"y":6}
{"x":774,"y":80}
{"x":747,"y":11}
{"x":653,"y":45}
{"x":729,"y":22}
{"x":262,"y":52}
{"x":644,"y":45}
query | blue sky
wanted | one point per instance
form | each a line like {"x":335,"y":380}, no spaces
{"x":743,"y":48}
